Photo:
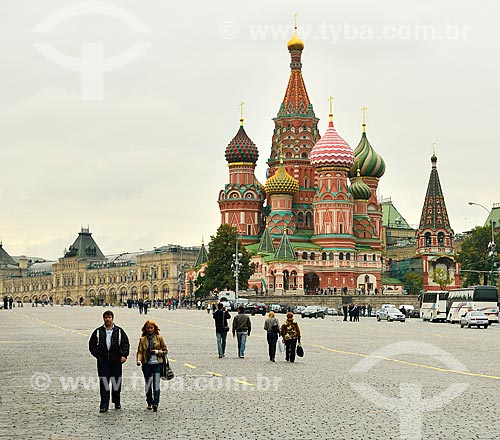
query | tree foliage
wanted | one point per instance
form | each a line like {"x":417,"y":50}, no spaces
{"x":219,"y":274}
{"x":414,"y":283}
{"x":473,"y":257}
{"x":441,"y":276}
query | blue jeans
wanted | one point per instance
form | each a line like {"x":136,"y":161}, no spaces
{"x":152,"y":374}
{"x":242,"y":342}
{"x":221,"y":342}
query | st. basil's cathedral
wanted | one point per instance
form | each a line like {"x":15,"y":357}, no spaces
{"x":316,"y":224}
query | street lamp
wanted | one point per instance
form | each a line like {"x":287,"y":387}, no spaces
{"x":236,"y":266}
{"x":492,"y":253}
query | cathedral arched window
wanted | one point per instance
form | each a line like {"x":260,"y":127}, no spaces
{"x":441,"y":238}
{"x":304,"y":255}
{"x":374,"y":256}
{"x":348,"y":256}
{"x":365,"y":257}
{"x":308,"y":219}
{"x":313,"y":256}
{"x":428,"y":239}
{"x":341,"y":256}
{"x":331,"y":256}
{"x":301,"y":217}
{"x":323,"y":256}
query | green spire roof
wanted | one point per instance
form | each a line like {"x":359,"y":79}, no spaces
{"x":5,"y":258}
{"x":202,"y":257}
{"x":84,"y":248}
{"x":285,"y":250}
{"x":391,"y":218}
{"x":369,"y":161}
{"x":266,"y":242}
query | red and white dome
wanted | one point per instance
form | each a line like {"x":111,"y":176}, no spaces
{"x":331,"y":151}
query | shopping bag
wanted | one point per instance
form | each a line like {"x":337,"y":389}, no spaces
{"x":300,"y":351}
{"x":281,"y":345}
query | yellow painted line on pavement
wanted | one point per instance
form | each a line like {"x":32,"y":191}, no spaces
{"x":189,"y":366}
{"x":398,"y":361}
{"x":244,"y":382}
{"x":55,"y":325}
{"x":214,"y":374}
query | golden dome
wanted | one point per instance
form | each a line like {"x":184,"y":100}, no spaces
{"x":281,"y":182}
{"x":295,"y":42}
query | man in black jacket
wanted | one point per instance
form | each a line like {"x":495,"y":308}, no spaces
{"x":221,"y":328}
{"x":110,"y":346}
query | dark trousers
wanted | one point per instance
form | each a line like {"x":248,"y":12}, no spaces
{"x":152,"y":373}
{"x":344,"y":309}
{"x":110,"y":378}
{"x":290,"y":347}
{"x":272,"y":339}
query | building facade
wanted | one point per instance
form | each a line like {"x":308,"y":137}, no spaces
{"x":85,"y":272}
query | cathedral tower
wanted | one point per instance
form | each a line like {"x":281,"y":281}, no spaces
{"x":435,"y":237}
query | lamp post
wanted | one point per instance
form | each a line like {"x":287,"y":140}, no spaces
{"x":236,"y":266}
{"x":492,"y":253}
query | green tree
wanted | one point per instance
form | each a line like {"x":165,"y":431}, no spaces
{"x":414,"y":283}
{"x":219,"y":274}
{"x":473,"y":257}
{"x":441,"y":276}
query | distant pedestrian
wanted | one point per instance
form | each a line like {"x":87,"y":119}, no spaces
{"x":10,"y":302}
{"x":5,"y":302}
{"x":146,"y":305}
{"x":345,"y":311}
{"x":140,"y":304}
{"x":110,"y":346}
{"x":150,"y":353}
{"x":242,"y":327}
{"x":369,"y":308}
{"x":221,"y":328}
{"x":272,"y":327}
{"x":291,"y":334}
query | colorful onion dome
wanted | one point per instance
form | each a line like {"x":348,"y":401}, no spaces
{"x":370,"y":163}
{"x":359,"y":189}
{"x":331,"y":150}
{"x":241,"y":148}
{"x":281,"y":182}
{"x":295,"y":42}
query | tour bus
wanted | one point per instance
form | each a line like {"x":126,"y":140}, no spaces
{"x":483,"y":298}
{"x":433,"y":305}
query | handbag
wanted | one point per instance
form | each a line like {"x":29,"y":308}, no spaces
{"x":166,"y":371}
{"x":281,"y":345}
{"x":300,"y":351}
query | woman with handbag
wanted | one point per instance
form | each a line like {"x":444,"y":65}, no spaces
{"x":150,"y":354}
{"x":291,"y":334}
{"x":272,"y":327}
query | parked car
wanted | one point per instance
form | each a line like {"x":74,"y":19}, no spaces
{"x":313,"y":312}
{"x":332,"y":311}
{"x":391,"y":314}
{"x":276,"y":308}
{"x":474,"y":318}
{"x":414,"y":313}
{"x":298,"y":309}
{"x":255,"y":308}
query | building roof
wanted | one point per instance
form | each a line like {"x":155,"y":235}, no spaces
{"x":241,"y":148}
{"x":84,"y":247}
{"x":285,"y":250}
{"x":266,"y":242}
{"x":281,"y":182}
{"x":331,"y":150}
{"x":202,"y":257}
{"x":370,"y":163}
{"x":494,"y":216}
{"x":391,"y":217}
{"x":5,"y":258}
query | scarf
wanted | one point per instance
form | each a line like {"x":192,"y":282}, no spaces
{"x":151,"y":345}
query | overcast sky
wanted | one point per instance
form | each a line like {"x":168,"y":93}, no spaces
{"x":140,"y":157}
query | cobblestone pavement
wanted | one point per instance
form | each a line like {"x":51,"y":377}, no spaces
{"x":49,"y":386}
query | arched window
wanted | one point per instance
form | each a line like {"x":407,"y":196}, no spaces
{"x":313,"y":256}
{"x":341,"y":256}
{"x":308,"y":219}
{"x":323,"y":256}
{"x":428,"y":239}
{"x":348,"y":256}
{"x":301,"y":217}
{"x":365,"y":257}
{"x":441,"y":238}
{"x":304,"y":255}
{"x":331,"y":256}
{"x":374,"y":256}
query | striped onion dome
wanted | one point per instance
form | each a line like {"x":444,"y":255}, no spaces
{"x":370,"y":163}
{"x":241,"y":148}
{"x":281,"y":182}
{"x":359,"y":189}
{"x":331,"y":150}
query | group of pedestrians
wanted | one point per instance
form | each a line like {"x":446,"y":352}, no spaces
{"x":354,"y":311}
{"x":109,"y":344}
{"x":242,"y":327}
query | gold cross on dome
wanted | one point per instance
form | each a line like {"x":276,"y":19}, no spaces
{"x":363,"y":111}
{"x":241,"y":109}
{"x":295,"y":21}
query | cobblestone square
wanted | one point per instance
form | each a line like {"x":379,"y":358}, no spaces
{"x":356,"y":380}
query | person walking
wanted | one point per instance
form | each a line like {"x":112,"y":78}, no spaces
{"x":109,"y":344}
{"x":291,"y":334}
{"x":5,"y":302}
{"x":145,"y":305}
{"x":221,"y":315}
{"x":272,"y":327}
{"x":150,"y":354}
{"x":242,"y":327}
{"x":345,"y":311}
{"x":140,"y":304}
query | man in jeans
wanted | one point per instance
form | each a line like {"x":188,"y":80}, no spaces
{"x":221,"y":328}
{"x":241,"y":329}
